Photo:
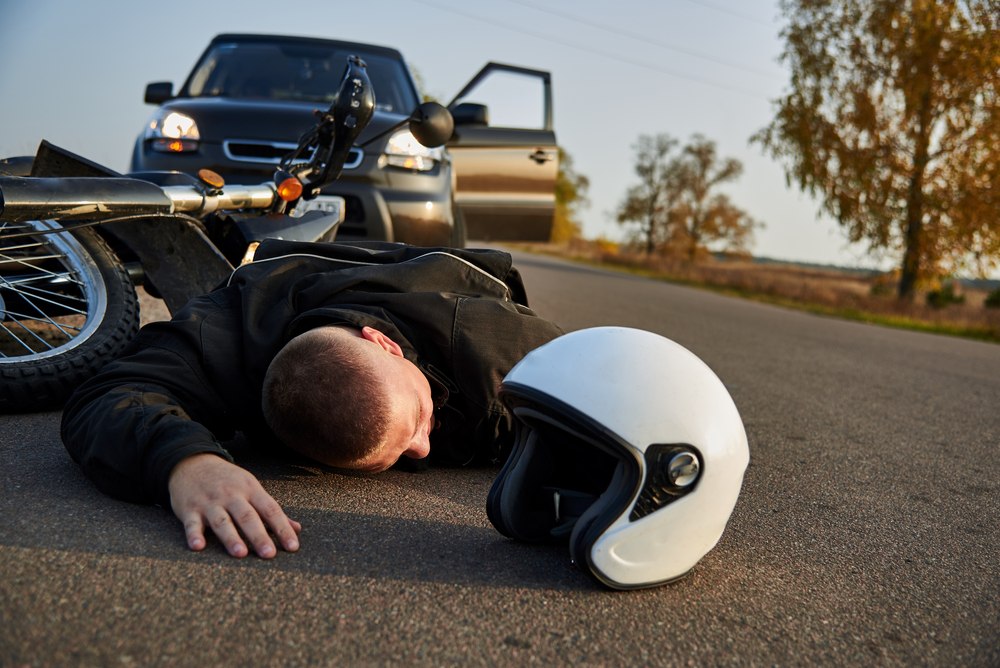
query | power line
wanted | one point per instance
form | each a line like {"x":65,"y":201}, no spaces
{"x":590,"y":50}
{"x":641,"y":38}
{"x":745,"y":17}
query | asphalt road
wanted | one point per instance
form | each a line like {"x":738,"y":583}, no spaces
{"x":866,"y":534}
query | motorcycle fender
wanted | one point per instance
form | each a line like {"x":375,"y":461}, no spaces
{"x":178,"y":259}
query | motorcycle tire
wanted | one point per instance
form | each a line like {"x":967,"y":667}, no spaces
{"x":67,"y":307}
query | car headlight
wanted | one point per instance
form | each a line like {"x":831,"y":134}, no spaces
{"x":403,"y":150}
{"x":172,"y":132}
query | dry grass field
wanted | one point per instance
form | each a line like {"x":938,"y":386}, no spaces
{"x":838,"y":293}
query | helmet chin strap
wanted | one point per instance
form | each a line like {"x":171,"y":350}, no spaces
{"x":568,"y":505}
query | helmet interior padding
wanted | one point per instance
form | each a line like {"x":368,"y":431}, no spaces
{"x":553,"y":479}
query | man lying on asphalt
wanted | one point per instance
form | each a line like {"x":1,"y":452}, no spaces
{"x":353,"y":355}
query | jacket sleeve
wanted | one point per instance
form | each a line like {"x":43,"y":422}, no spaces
{"x":144,"y":412}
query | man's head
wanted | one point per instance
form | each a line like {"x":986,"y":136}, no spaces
{"x":348,"y":398}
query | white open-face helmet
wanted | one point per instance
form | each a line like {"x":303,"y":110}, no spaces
{"x":629,"y":446}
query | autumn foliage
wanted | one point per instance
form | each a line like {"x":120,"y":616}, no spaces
{"x":676,"y":208}
{"x":892,"y":119}
{"x":571,"y":196}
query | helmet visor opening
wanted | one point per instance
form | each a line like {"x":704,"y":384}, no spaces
{"x":556,"y":475}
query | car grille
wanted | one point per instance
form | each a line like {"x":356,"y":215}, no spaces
{"x":271,"y":152}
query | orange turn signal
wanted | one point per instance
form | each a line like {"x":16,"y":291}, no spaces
{"x":290,"y":189}
{"x":211,"y":178}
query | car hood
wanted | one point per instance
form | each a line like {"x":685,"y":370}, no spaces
{"x":221,"y":118}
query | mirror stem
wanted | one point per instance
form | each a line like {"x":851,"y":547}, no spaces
{"x":384,"y":133}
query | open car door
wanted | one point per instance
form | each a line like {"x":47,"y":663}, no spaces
{"x":505,"y":167}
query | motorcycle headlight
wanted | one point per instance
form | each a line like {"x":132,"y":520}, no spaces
{"x":403,"y":150}
{"x":172,"y":132}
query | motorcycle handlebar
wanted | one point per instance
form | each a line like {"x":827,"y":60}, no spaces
{"x":95,"y":199}
{"x":190,"y":200}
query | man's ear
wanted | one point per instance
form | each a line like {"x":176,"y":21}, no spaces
{"x":381,"y":340}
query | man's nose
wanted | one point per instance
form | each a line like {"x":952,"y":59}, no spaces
{"x":419,"y":448}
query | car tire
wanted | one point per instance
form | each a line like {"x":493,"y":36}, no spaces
{"x":67,"y":308}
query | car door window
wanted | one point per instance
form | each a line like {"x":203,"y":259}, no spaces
{"x":514,"y":100}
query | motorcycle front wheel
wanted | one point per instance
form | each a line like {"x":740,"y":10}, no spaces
{"x":67,"y":307}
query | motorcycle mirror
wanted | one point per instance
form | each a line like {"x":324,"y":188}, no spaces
{"x":431,"y":124}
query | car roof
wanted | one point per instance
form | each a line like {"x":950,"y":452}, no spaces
{"x":289,"y":39}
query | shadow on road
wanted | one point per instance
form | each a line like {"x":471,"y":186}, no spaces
{"x":429,"y":527}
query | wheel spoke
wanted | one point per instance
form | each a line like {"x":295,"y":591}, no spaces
{"x":18,"y":339}
{"x":18,"y":260}
{"x":19,"y":317}
{"x":28,"y":259}
{"x":32,"y":304}
{"x":53,"y":293}
{"x":29,"y":291}
{"x":68,"y":276}
{"x":11,"y":227}
{"x":52,"y":322}
{"x":30,"y":298}
{"x":36,"y":244}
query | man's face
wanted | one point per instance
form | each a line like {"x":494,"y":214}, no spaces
{"x":411,"y":410}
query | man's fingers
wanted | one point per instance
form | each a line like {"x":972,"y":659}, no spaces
{"x":284,"y":528}
{"x":205,"y":488}
{"x":194,"y":529}
{"x":253,"y":528}
{"x":222,"y":525}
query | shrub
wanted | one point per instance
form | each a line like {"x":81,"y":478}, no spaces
{"x":945,"y":296}
{"x":993,"y":299}
{"x":606,"y":245}
{"x":882,"y":289}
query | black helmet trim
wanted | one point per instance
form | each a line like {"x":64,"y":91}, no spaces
{"x":535,"y":410}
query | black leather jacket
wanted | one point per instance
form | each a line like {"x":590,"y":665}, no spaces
{"x":182,"y":386}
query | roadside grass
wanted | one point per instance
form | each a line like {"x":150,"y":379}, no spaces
{"x":844,"y":295}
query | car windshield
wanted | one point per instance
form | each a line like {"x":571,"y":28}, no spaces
{"x":307,"y":73}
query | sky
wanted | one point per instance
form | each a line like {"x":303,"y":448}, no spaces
{"x":74,"y":73}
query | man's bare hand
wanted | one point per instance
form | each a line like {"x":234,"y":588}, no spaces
{"x":206,"y":490}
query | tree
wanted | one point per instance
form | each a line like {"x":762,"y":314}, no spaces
{"x":649,"y":202}
{"x":571,"y":195}
{"x":893,"y":121}
{"x":700,"y":216}
{"x":675,"y":205}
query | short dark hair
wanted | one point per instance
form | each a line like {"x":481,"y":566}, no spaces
{"x":323,"y":398}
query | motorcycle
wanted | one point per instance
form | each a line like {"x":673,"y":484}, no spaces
{"x":76,"y":237}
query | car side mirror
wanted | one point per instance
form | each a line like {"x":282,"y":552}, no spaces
{"x":431,"y":124}
{"x":470,"y":113}
{"x":159,"y":92}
